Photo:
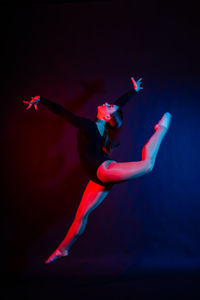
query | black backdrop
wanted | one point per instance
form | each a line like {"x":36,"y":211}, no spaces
{"x":144,"y":238}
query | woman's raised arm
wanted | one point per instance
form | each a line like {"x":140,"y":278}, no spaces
{"x":76,"y":121}
{"x":122,"y":100}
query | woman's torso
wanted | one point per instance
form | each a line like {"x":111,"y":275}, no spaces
{"x":90,"y":149}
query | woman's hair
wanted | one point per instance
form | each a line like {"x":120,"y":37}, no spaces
{"x":114,"y":123}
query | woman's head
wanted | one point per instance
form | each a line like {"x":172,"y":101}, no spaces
{"x":110,"y":113}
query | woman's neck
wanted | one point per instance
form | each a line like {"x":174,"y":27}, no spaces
{"x":101,"y":125}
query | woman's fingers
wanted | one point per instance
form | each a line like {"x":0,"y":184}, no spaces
{"x":134,"y":83}
{"x":132,"y":79}
{"x":29,"y":106}
{"x":32,"y":101}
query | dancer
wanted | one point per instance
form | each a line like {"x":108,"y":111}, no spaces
{"x":94,"y":147}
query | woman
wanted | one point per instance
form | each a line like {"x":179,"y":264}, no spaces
{"x":94,"y":147}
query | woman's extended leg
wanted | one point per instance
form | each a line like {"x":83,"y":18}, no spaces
{"x":118,"y":172}
{"x":93,"y":195}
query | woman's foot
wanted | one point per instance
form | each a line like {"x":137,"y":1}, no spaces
{"x":164,"y":121}
{"x":56,"y":254}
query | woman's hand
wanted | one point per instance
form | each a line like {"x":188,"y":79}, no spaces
{"x":33,"y":101}
{"x":136,"y":84}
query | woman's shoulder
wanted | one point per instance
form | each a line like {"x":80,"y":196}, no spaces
{"x":89,"y":125}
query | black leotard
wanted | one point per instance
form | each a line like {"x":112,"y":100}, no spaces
{"x":89,"y":138}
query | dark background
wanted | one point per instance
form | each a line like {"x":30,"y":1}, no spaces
{"x":143,"y":240}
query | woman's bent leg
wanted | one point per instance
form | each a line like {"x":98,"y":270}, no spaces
{"x":93,"y":195}
{"x":117,"y":171}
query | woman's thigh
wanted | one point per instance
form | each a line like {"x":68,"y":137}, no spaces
{"x":92,"y":197}
{"x":115,"y":172}
{"x":103,"y":167}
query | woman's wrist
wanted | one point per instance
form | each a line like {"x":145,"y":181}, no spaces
{"x":36,"y":98}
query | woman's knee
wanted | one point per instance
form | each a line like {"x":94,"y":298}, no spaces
{"x":103,"y":170}
{"x":148,"y":164}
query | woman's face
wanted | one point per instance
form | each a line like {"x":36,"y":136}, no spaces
{"x":107,"y":109}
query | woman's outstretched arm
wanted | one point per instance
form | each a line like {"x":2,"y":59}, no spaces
{"x":76,"y":121}
{"x":122,"y":100}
